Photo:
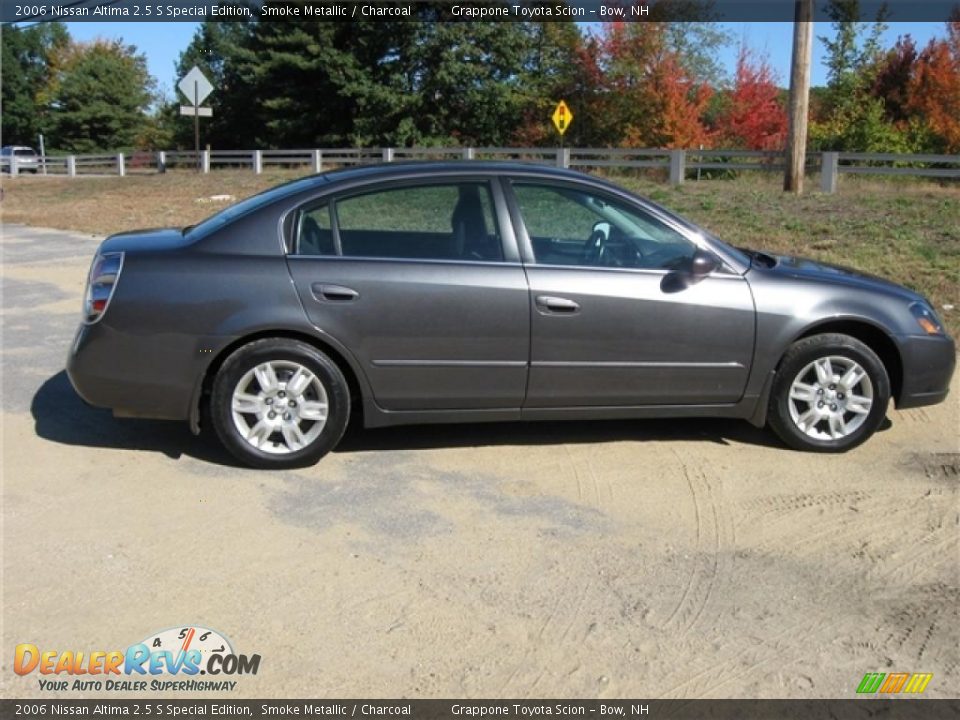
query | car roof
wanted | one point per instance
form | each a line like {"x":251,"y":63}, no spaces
{"x":386,"y":171}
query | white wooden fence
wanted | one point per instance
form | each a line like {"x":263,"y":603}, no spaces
{"x":677,"y":165}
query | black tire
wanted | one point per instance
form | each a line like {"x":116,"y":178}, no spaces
{"x":798,"y":357}
{"x":279,"y":350}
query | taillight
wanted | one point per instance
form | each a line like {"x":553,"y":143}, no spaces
{"x":102,"y":281}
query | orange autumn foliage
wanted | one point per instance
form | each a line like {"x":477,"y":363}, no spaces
{"x":935,"y":87}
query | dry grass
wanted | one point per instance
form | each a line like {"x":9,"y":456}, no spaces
{"x":906,"y":231}
{"x":104,"y":205}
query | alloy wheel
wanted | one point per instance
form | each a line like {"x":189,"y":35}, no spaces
{"x":279,"y":407}
{"x":830,"y":398}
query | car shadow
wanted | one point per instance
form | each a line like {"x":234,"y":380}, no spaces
{"x":62,"y":417}
{"x":561,"y":432}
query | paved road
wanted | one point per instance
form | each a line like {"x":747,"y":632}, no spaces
{"x":646,"y":559}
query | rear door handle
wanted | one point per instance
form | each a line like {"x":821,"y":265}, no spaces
{"x":333,"y":293}
{"x":557,"y":305}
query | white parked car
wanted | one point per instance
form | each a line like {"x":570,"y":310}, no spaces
{"x":27,"y":158}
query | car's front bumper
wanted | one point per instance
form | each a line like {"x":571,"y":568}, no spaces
{"x":928,"y":365}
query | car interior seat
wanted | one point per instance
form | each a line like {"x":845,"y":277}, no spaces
{"x":470,"y":236}
{"x":313,"y":239}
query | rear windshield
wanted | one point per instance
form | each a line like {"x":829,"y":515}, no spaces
{"x":228,"y":215}
{"x":23,"y":152}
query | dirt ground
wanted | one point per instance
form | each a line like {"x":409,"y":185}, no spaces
{"x":652,"y":559}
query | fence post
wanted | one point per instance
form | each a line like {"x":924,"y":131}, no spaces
{"x":121,"y":165}
{"x":258,"y":161}
{"x":678,"y":159}
{"x":563,"y":157}
{"x":829,"y":169}
{"x":205,"y":160}
{"x":318,"y":161}
{"x":14,"y":165}
{"x":469,"y":153}
{"x":161,"y":161}
{"x":387,"y":155}
{"x":72,"y":165}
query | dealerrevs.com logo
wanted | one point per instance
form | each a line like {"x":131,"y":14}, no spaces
{"x":169,"y":660}
{"x":891,"y":683}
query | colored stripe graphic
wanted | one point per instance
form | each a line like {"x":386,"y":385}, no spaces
{"x":871,"y":682}
{"x":918,"y":682}
{"x":894,"y":682}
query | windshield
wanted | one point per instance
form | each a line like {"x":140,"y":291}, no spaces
{"x":215,"y":222}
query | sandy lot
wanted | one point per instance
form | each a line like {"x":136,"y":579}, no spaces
{"x":617,"y":559}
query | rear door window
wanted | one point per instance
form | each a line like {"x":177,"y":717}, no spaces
{"x":443,"y":221}
{"x":314,"y":231}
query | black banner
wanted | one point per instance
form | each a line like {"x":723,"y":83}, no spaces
{"x":852,"y":709}
{"x":471,"y":10}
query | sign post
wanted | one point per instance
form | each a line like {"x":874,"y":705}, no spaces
{"x":43,"y":156}
{"x":562,"y":117}
{"x":195,"y":87}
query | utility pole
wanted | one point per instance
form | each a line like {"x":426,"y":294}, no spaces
{"x":799,"y":96}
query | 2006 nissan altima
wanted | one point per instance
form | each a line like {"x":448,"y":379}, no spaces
{"x":454,"y":292}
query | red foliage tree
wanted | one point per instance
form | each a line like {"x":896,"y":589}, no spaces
{"x":755,"y":117}
{"x":892,"y":81}
{"x":935,"y":87}
{"x":651,"y":99}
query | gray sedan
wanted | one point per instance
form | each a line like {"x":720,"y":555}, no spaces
{"x":464,"y":292}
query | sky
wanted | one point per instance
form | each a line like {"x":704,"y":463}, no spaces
{"x":162,"y":43}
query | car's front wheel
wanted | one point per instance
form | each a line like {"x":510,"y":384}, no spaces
{"x":279,"y":403}
{"x":830,"y":394}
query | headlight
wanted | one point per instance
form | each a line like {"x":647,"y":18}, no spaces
{"x":927,"y":318}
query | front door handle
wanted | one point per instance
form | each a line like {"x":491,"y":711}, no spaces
{"x":333,"y":293}
{"x":557,"y":305}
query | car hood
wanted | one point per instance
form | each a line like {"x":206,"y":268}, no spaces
{"x":817,"y":271}
{"x":152,"y":240}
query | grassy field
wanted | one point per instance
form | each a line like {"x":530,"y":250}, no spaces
{"x":906,"y":231}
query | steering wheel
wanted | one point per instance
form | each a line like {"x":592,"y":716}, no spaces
{"x":594,"y":248}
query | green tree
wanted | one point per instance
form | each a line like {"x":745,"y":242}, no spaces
{"x":696,"y":45}
{"x":305,"y":83}
{"x":852,"y":51}
{"x":470,"y":81}
{"x":24,"y":72}
{"x":850,"y":117}
{"x":554,"y":71}
{"x":97,"y":96}
{"x":215,"y":49}
{"x":315,"y":84}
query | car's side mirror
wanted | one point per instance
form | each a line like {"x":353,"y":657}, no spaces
{"x":703,"y":263}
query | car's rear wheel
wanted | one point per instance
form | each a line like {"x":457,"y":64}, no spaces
{"x":279,"y":403}
{"x":830,"y":394}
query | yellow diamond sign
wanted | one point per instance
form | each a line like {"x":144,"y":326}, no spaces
{"x":562,"y":117}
